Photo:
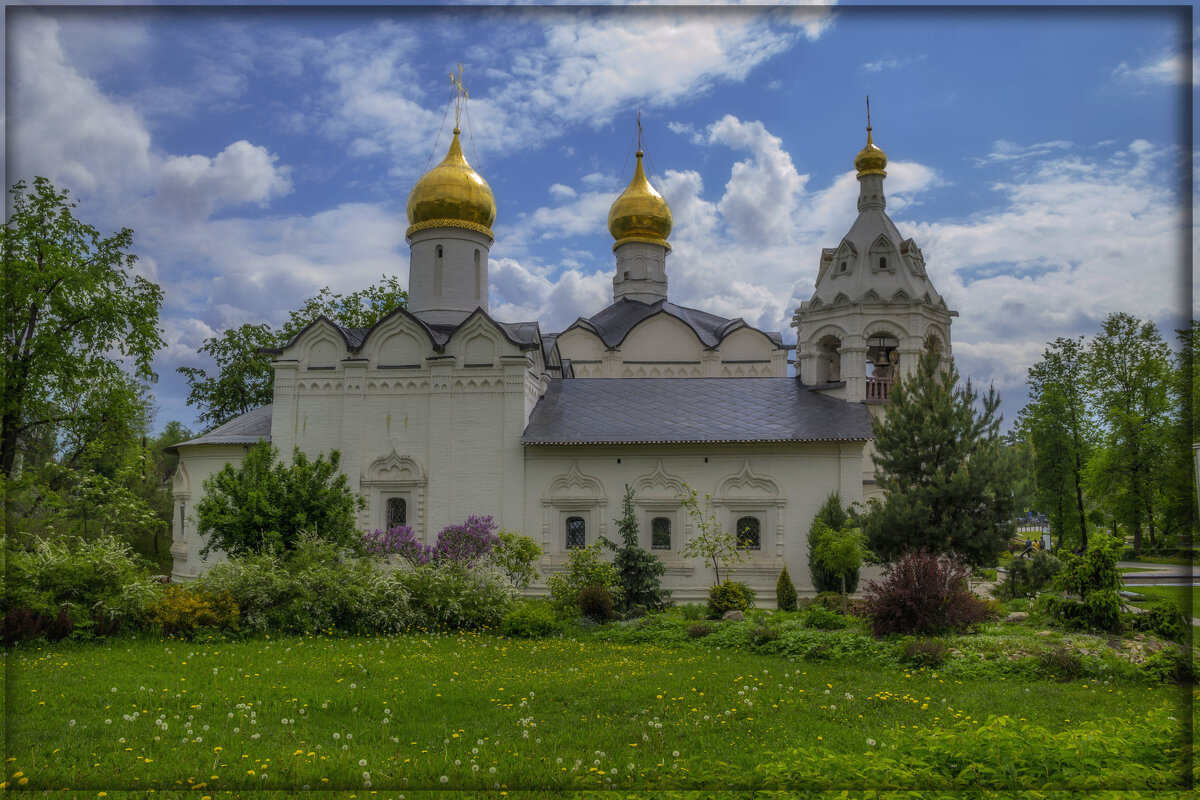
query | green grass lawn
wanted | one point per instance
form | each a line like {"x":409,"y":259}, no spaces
{"x":482,"y":713}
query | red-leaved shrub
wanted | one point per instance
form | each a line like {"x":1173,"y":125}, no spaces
{"x":923,"y":593}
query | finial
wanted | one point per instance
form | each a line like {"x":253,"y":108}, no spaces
{"x":869,"y":120}
{"x":461,"y":97}
{"x":639,"y":126}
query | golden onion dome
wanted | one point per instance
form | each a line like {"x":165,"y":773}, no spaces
{"x":870,"y":160}
{"x":452,"y":195}
{"x":640,"y":214}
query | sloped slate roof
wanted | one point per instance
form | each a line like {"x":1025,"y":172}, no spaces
{"x":249,"y":428}
{"x":614,"y":323}
{"x":676,"y":410}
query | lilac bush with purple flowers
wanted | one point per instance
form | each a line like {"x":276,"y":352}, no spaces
{"x":465,"y":543}
{"x":399,"y":541}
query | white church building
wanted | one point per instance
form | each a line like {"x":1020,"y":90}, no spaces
{"x":441,"y":411}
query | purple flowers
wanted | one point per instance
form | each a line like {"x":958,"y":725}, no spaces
{"x":464,"y":543}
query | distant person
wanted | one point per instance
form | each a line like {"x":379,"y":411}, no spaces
{"x":1028,"y":547}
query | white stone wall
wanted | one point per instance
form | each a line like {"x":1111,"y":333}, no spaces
{"x":782,"y":485}
{"x":196,"y":463}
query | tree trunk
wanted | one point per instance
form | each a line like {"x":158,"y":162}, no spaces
{"x":1079,"y":499}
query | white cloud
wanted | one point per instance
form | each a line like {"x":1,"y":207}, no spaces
{"x":1003,"y":150}
{"x":1166,"y":68}
{"x":893,"y":63}
{"x":761,"y":195}
{"x":561,"y":192}
{"x":63,"y":127}
{"x":195,"y":186}
{"x":522,"y":294}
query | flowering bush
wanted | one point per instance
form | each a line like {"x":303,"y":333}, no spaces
{"x":399,"y":541}
{"x":446,"y":595}
{"x":584,"y":567}
{"x":185,"y":611}
{"x":468,"y":542}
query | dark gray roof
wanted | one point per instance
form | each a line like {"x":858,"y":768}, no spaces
{"x":614,"y":323}
{"x":249,"y":428}
{"x":663,"y":410}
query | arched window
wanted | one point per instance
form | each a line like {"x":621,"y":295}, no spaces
{"x":883,"y":262}
{"x":576,"y":533}
{"x":749,"y":533}
{"x":842,"y":267}
{"x":660,"y":533}
{"x":397,"y":512}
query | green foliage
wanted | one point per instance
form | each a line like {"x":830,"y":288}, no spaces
{"x":837,"y":552}
{"x":310,"y":589}
{"x":595,"y":603}
{"x":1162,"y":619}
{"x":818,"y":616}
{"x":1059,"y":427}
{"x":709,"y":541}
{"x":692,"y":611}
{"x":1142,"y":752}
{"x":265,"y":506}
{"x":1094,"y":578}
{"x":530,"y":619}
{"x":729,"y":596}
{"x":699,"y":630}
{"x":244,"y":379}
{"x":101,"y":583}
{"x":945,"y":472}
{"x":448,"y":595}
{"x":187,"y":611}
{"x":515,"y":557}
{"x":785,"y":592}
{"x":584,"y":567}
{"x":833,"y":516}
{"x":1174,"y":664}
{"x":639,"y":572}
{"x":1028,"y":576}
{"x":75,"y":319}
{"x":1128,"y":377}
{"x":924,"y":651}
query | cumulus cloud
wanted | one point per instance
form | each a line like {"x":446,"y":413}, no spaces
{"x":194,"y":186}
{"x":519,"y":293}
{"x":63,"y":127}
{"x":1166,"y":68}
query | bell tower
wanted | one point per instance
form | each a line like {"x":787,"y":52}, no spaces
{"x":873,"y":309}
{"x":640,"y":222}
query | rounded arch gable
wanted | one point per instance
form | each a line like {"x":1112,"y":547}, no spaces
{"x":662,"y":337}
{"x":746,"y":484}
{"x":573,"y":485}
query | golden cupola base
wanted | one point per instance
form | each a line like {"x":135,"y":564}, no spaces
{"x":640,"y":214}
{"x":452,"y":195}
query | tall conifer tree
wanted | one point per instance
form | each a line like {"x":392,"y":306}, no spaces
{"x":947,"y":476}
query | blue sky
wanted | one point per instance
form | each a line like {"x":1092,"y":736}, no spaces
{"x":1040,"y":157}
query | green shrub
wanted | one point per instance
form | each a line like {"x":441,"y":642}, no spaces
{"x":515,"y":557}
{"x":763,"y":635}
{"x":639,"y":572}
{"x":102,"y":585}
{"x":924,"y":652}
{"x":818,"y":616}
{"x":584,"y":567}
{"x":1028,"y":576}
{"x":829,"y":600}
{"x":596,"y":603}
{"x":263,"y":505}
{"x":1094,"y":578}
{"x":1173,"y":664}
{"x":700,"y":630}
{"x":315,"y":588}
{"x":692,"y":611}
{"x":1163,"y":619}
{"x":729,"y":596}
{"x":785,"y":592}
{"x":451,"y":596}
{"x":186,"y":611}
{"x":529,"y":620}
{"x":1063,"y":664}
{"x":832,"y":516}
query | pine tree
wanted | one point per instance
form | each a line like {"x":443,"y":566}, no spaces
{"x":947,"y":477}
{"x":835,"y":517}
{"x":785,"y":592}
{"x":639,"y":571}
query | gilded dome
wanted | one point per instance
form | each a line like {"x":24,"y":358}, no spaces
{"x":870,"y":160}
{"x":640,"y":214}
{"x":452,"y":195}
